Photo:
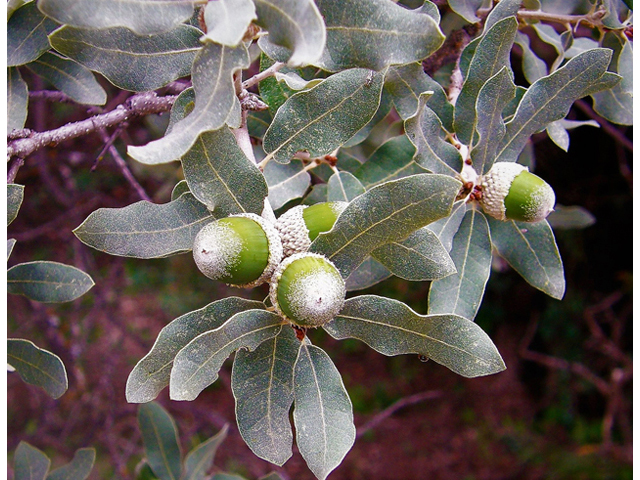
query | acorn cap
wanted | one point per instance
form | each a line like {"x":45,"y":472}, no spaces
{"x":241,"y":250}
{"x":299,"y":226}
{"x":307,"y":290}
{"x":511,"y":192}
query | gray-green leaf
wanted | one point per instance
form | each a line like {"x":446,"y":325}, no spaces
{"x":69,"y":77}
{"x":531,"y":250}
{"x":77,"y":469}
{"x":13,"y":5}
{"x":262,"y":384}
{"x":145,"y":229}
{"x":182,"y":107}
{"x":221,"y":176}
{"x":273,"y":92}
{"x":27,"y":31}
{"x":321,"y":119}
{"x":48,"y":282}
{"x":491,"y":55}
{"x":392,"y":328}
{"x":343,"y":187}
{"x":29,"y":463}
{"x":616,"y":104}
{"x":492,"y":99}
{"x":17,"y":100}
{"x":130,"y":61}
{"x":533,"y":66}
{"x":142,"y":16}
{"x":418,"y":258}
{"x":10,"y":244}
{"x":286,"y":182}
{"x":367,"y":274}
{"x":433,"y":151}
{"x":212,"y":78}
{"x":37,"y":366}
{"x":160,"y":437}
{"x":323,"y":414}
{"x":466,"y":9}
{"x":196,"y":366}
{"x":390,"y":161}
{"x":570,"y":217}
{"x":15,"y":195}
{"x":294,"y":24}
{"x":405,"y":83}
{"x":462,"y":292}
{"x":551,"y":97}
{"x":558,"y":135}
{"x":388,"y":212}
{"x":200,"y":459}
{"x":447,"y":227}
{"x":227,"y":20}
{"x":375,"y":34}
{"x":152,"y":373}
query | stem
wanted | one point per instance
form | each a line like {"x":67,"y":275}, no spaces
{"x":243,"y":139}
{"x":141,"y":104}
{"x":262,"y":75}
{"x":264,"y":161}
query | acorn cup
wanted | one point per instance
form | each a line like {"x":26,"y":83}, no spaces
{"x":241,"y":250}
{"x":511,"y":192}
{"x":307,"y":290}
{"x":299,"y":226}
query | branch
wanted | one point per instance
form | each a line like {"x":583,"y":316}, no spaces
{"x":450,"y":50}
{"x":141,"y":104}
{"x":555,"y":363}
{"x":612,"y":131}
{"x":593,"y":19}
{"x":403,"y":402}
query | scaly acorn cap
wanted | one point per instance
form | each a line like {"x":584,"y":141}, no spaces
{"x":307,"y":290}
{"x":299,"y":226}
{"x":511,"y":192}
{"x":241,"y":250}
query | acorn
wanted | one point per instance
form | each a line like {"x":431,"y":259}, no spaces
{"x":241,"y":250}
{"x":307,"y":290}
{"x":299,"y":226}
{"x":511,"y":192}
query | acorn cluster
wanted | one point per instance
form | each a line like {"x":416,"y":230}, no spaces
{"x":245,"y":250}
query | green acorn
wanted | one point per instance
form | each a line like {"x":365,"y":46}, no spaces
{"x":299,"y":226}
{"x":511,"y":192}
{"x":241,"y":250}
{"x":307,"y":289}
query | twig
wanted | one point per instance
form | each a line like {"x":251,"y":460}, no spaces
{"x":616,"y":134}
{"x":400,"y":404}
{"x":51,"y":96}
{"x":124,"y":168}
{"x":141,"y":104}
{"x":79,"y":210}
{"x":250,"y":82}
{"x":108,"y":142}
{"x":13,"y":169}
{"x":556,"y":363}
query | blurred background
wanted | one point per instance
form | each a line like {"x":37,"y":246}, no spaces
{"x":561,"y":410}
